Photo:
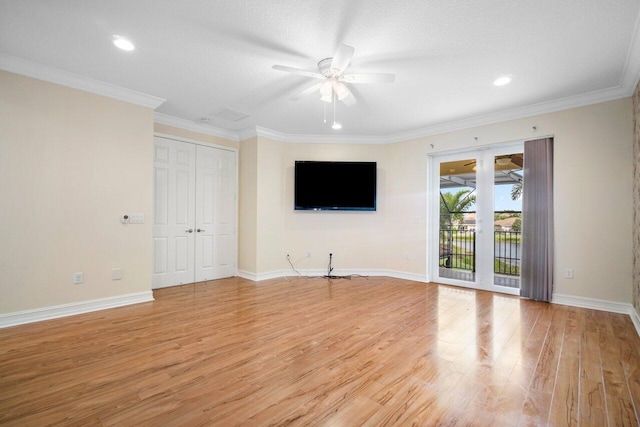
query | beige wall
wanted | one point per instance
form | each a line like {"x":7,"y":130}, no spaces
{"x":406,"y":231}
{"x":71,"y":163}
{"x":248,"y":190}
{"x":280,"y":229}
{"x":593,"y":184}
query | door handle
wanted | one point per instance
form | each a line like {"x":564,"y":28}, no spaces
{"x":189,"y":230}
{"x":200,"y":230}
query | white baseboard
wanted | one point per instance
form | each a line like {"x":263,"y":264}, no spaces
{"x":599,"y":304}
{"x":593,"y":303}
{"x":64,"y":310}
{"x":257,"y":277}
{"x":246,"y":275}
{"x":635,"y":318}
{"x":407,"y":276}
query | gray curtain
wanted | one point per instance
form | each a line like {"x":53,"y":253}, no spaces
{"x":536,"y":273}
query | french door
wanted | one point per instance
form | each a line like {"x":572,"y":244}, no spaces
{"x":475,"y":213}
{"x":194,"y":222}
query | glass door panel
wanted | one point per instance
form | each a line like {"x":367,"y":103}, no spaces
{"x":475,"y":218}
{"x":508,"y":179}
{"x":457,"y":220}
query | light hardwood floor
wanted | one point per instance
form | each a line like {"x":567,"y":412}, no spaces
{"x":374,"y":351}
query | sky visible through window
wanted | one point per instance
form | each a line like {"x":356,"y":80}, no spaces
{"x":502,"y":196}
{"x":503,"y":200}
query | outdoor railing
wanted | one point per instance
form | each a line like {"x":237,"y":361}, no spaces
{"x":507,"y":252}
{"x":458,"y":250}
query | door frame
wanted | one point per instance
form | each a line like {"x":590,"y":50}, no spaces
{"x":483,"y":156}
{"x":236,"y":178}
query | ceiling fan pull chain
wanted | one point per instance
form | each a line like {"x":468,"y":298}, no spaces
{"x":333,"y":95}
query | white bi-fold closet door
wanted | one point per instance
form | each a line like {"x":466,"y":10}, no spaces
{"x":194,"y":226}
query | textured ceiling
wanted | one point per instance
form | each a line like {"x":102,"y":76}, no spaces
{"x":203,"y":56}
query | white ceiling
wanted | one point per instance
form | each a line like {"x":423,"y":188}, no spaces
{"x":203,"y":56}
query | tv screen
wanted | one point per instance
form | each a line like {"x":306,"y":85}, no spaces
{"x":347,"y":186}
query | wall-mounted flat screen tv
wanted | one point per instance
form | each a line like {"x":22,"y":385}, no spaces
{"x":335,"y":186}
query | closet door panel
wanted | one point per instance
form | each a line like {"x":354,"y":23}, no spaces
{"x":207,"y":168}
{"x":174,"y":213}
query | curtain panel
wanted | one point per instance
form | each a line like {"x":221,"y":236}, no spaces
{"x":536,"y":273}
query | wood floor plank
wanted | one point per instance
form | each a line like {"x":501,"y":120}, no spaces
{"x":619,"y":402}
{"x":310,"y":351}
{"x":565,"y":404}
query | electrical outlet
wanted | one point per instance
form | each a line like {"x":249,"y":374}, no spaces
{"x":288,"y":254}
{"x":568,"y":273}
{"x":116,"y":274}
{"x":78,"y":278}
{"x":308,"y":254}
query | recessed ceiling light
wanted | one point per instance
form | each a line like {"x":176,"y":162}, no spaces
{"x":123,"y":43}
{"x":501,"y":81}
{"x":336,"y":126}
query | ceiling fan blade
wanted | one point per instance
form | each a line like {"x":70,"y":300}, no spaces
{"x":342,"y":58}
{"x":349,"y":100}
{"x":298,"y":71}
{"x":307,"y":91}
{"x":517,"y":160}
{"x":369,"y":78}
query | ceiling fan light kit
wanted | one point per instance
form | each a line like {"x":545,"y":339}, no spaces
{"x":505,"y":160}
{"x":331,"y":71}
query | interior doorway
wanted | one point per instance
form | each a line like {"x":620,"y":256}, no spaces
{"x":475,"y":211}
{"x":194,"y":225}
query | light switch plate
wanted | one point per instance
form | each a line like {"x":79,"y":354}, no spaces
{"x":136,"y":218}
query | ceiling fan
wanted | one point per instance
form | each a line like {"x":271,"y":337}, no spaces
{"x":333,"y":80}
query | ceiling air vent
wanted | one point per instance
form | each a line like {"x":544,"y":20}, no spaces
{"x":231,"y":115}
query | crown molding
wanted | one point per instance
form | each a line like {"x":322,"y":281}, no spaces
{"x":311,"y":139}
{"x":49,"y":74}
{"x":567,"y":103}
{"x":195,"y":127}
{"x":247,"y":133}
